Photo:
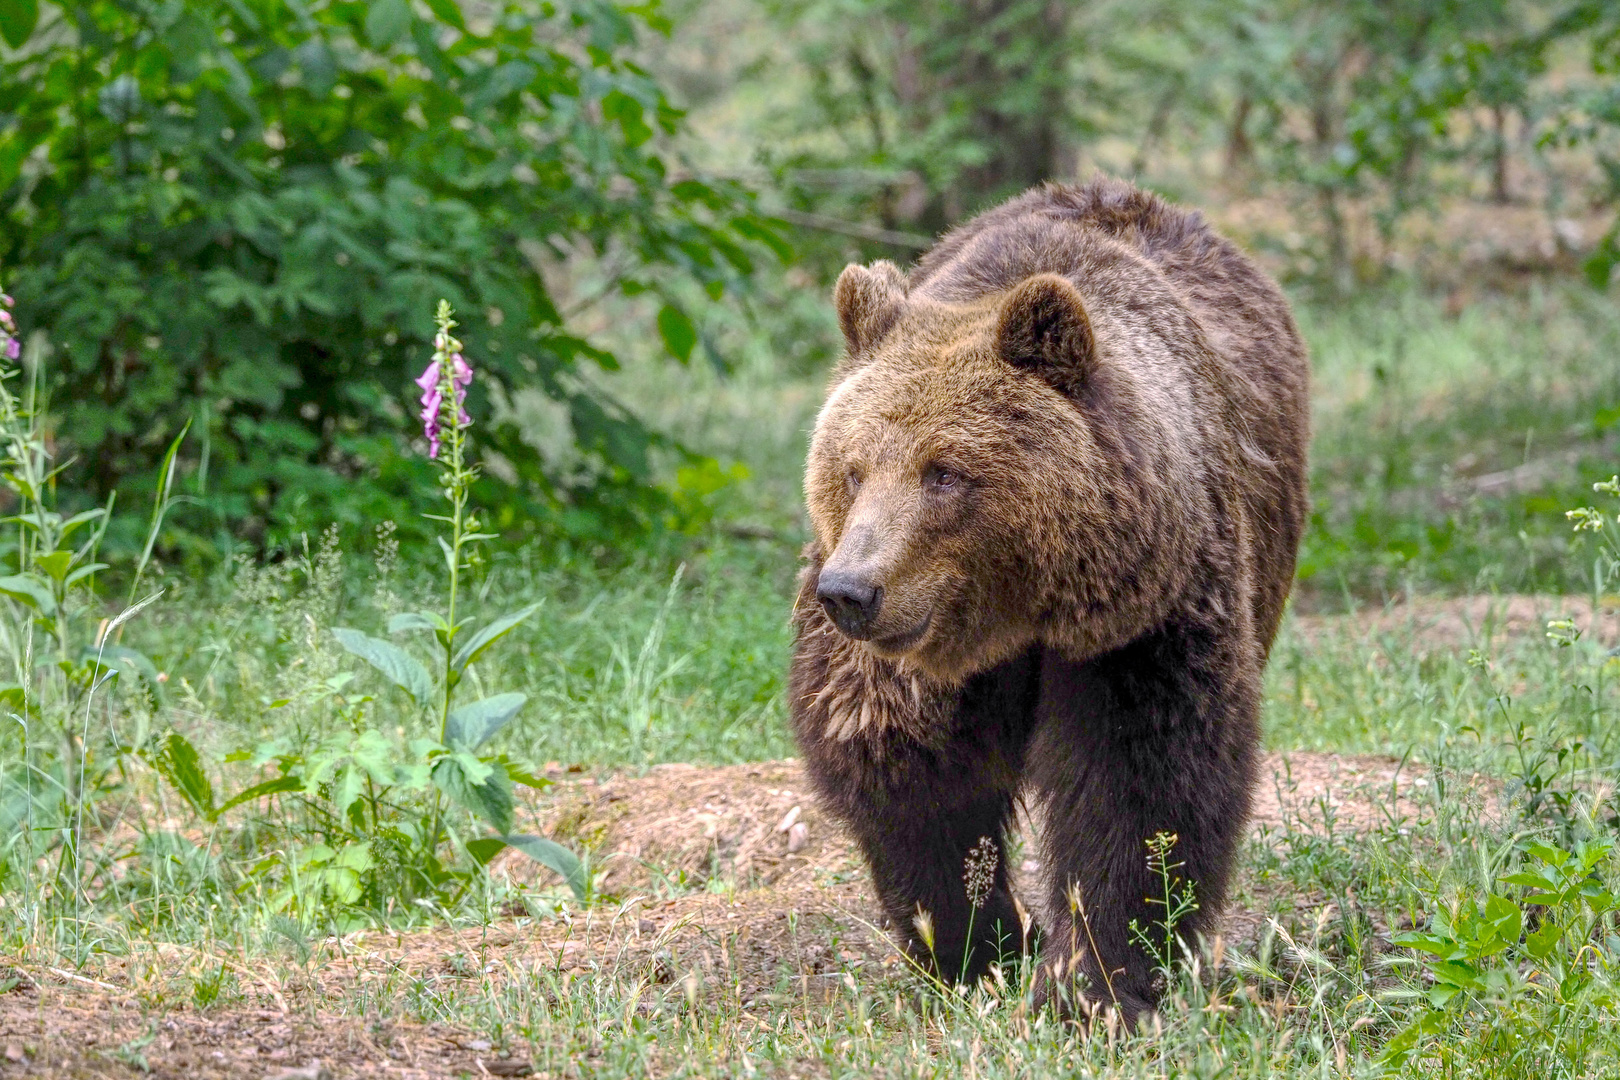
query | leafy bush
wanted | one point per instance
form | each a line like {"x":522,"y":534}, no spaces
{"x":237,"y":213}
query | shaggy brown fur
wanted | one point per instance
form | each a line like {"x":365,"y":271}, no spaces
{"x":1057,"y":489}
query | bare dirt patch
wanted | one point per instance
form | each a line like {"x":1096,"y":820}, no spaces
{"x":712,"y":892}
{"x":1483,"y":622}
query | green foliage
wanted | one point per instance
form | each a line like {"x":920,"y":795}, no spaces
{"x":373,"y":825}
{"x":233,"y":215}
{"x":1518,"y":983}
{"x":936,"y":110}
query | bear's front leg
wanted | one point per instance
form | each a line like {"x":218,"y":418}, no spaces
{"x":928,"y":803}
{"x":939,"y":870}
{"x":1154,"y":739}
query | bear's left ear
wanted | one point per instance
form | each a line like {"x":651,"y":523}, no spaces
{"x":1044,"y":329}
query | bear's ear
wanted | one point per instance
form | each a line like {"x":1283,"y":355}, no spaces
{"x":868,"y":299}
{"x":1044,"y":329}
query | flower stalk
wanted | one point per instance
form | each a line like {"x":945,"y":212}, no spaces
{"x":445,"y":422}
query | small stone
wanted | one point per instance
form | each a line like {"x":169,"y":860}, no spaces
{"x":14,"y":1052}
{"x":788,"y":820}
{"x":480,"y":1045}
{"x":798,"y":837}
{"x":313,"y":1071}
{"x":646,"y":926}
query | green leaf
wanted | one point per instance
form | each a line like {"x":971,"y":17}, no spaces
{"x":678,"y":332}
{"x":1540,"y":943}
{"x":485,"y":848}
{"x":472,"y":725}
{"x":278,"y":786}
{"x":552,"y":854}
{"x":449,"y":11}
{"x":176,"y":760}
{"x":490,"y":799}
{"x":17,"y":21}
{"x":31,"y":589}
{"x":399,"y":666}
{"x":387,"y":21}
{"x":416,"y":620}
{"x":351,"y":783}
{"x":520,"y":775}
{"x":83,"y":572}
{"x":55,"y":564}
{"x":488,"y":635}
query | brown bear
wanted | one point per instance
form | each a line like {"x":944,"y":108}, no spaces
{"x":1056,"y":489}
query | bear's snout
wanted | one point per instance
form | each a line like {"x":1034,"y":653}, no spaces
{"x":851,"y":602}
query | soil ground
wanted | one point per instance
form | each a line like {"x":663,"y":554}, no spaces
{"x":718,"y":880}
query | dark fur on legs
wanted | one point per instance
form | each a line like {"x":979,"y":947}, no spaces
{"x":1113,"y":751}
{"x":1127,"y":746}
{"x":918,"y":807}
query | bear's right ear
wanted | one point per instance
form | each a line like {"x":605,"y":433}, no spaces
{"x":1044,"y":329}
{"x":868,"y":299}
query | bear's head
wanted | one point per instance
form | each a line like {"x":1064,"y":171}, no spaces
{"x":959,"y":474}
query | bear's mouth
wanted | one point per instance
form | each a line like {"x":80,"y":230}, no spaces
{"x":906,"y":639}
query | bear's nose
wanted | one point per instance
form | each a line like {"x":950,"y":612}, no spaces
{"x":851,"y":602}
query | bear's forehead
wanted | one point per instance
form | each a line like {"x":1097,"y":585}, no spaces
{"x":900,"y":406}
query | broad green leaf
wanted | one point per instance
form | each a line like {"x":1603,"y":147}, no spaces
{"x":472,"y":725}
{"x":485,"y":848}
{"x":678,"y":332}
{"x":399,"y":666}
{"x":416,"y":620}
{"x":491,"y":799}
{"x":387,"y":21}
{"x":1540,"y":943}
{"x":449,"y":11}
{"x":55,"y":564}
{"x":314,"y":855}
{"x":552,"y":854}
{"x":31,"y":589}
{"x":356,"y":857}
{"x":17,"y":21}
{"x":349,"y":787}
{"x":486,"y":637}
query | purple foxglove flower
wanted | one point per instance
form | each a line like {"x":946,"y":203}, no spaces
{"x":429,"y":378}
{"x":13,"y":349}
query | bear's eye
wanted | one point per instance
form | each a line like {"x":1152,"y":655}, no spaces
{"x":853,"y":479}
{"x":942,"y":478}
